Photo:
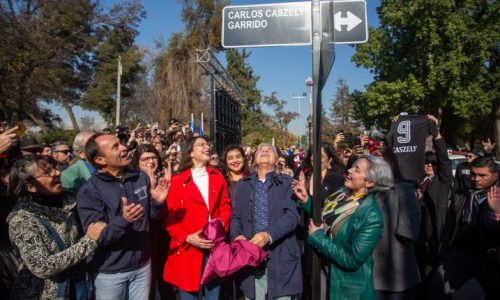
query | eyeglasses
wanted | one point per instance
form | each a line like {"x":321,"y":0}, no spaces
{"x":63,"y":151}
{"x":149,"y":158}
{"x":203,"y":145}
{"x":470,"y":156}
{"x":49,"y":172}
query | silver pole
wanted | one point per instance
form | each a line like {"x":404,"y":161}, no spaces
{"x":118,"y":90}
{"x":300,"y":119}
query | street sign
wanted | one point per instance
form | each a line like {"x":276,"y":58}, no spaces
{"x":262,"y":25}
{"x":350,"y":22}
{"x":289,"y":24}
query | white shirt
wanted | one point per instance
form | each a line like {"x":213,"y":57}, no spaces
{"x":200,"y":178}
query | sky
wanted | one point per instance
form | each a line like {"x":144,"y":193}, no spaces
{"x":281,"y":69}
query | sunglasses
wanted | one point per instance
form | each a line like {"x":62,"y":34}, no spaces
{"x":63,"y":151}
{"x":470,"y":156}
{"x":431,"y":162}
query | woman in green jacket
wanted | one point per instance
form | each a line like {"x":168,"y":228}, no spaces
{"x":352,"y":226}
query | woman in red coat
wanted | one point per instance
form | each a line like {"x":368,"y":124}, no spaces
{"x":197,"y":194}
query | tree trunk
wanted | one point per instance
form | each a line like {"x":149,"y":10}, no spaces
{"x":71,"y":114}
{"x":38,"y":122}
{"x":497,"y":130}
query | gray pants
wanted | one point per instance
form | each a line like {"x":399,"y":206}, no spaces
{"x":261,"y":286}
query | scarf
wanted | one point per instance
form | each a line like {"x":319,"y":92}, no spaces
{"x":470,"y":213}
{"x":338,"y":207}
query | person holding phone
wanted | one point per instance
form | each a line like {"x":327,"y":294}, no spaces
{"x":8,"y":139}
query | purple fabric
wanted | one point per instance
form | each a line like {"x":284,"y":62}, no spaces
{"x":226,"y":259}
{"x":213,"y":230}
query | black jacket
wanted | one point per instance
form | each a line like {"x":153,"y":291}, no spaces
{"x":477,"y":241}
{"x":123,"y":246}
{"x":436,"y":196}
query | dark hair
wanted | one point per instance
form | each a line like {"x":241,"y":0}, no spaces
{"x":92,"y":149}
{"x":223,"y":159}
{"x":140,"y":150}
{"x":281,"y":155}
{"x":21,"y":173}
{"x":430,"y":156}
{"x":484,"y":162}
{"x":186,"y":149}
{"x":336,"y":164}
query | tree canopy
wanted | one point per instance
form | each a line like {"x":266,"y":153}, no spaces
{"x":429,"y":56}
{"x":51,"y":51}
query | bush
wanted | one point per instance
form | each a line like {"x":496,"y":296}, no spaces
{"x":56,"y":135}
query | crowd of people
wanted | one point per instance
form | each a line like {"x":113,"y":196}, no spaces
{"x":124,"y":214}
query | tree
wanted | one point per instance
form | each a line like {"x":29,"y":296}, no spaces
{"x":281,"y":117}
{"x":432,"y":55}
{"x":51,"y":51}
{"x":328,"y":130}
{"x":251,"y":114}
{"x":44,"y":50}
{"x":117,"y":32}
{"x":88,"y":123}
{"x":177,"y":77}
{"x":341,"y":109}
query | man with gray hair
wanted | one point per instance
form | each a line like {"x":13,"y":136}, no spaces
{"x":62,"y":154}
{"x":265,"y":213}
{"x":77,"y":174}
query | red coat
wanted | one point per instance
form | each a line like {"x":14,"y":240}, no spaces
{"x":188,"y":213}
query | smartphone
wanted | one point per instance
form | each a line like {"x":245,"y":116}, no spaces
{"x":16,"y":121}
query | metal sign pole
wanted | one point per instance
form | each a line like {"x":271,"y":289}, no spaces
{"x":316,"y":140}
{"x":323,"y":57}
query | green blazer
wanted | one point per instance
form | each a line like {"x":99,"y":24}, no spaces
{"x":350,"y":254}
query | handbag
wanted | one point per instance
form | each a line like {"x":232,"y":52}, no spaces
{"x":81,"y":286}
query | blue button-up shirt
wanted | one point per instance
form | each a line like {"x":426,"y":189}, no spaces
{"x":261,"y":208}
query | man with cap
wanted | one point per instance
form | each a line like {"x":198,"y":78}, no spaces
{"x":29,"y":146}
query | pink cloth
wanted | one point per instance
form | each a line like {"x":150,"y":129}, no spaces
{"x":225,"y":258}
{"x":213,"y":230}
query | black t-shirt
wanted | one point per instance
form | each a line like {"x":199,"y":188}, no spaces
{"x":406,"y":138}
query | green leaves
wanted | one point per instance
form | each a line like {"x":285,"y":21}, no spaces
{"x":53,"y":51}
{"x":430,"y":55}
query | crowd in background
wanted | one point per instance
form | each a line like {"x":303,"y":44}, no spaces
{"x":122,"y":214}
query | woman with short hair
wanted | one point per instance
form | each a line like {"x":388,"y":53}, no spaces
{"x":352,"y":226}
